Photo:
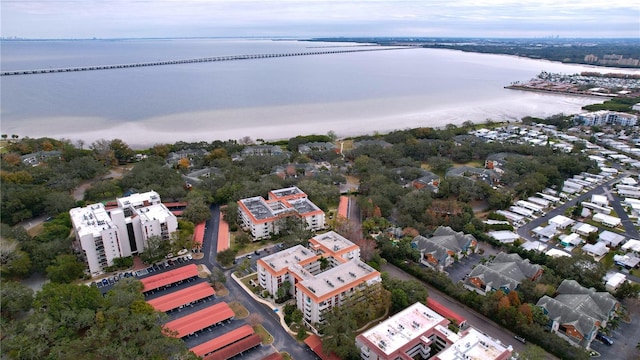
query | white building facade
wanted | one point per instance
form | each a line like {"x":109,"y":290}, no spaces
{"x":124,"y":231}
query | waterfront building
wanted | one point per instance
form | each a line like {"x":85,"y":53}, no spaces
{"x":106,"y":234}
{"x":605,"y":117}
{"x":260,"y":216}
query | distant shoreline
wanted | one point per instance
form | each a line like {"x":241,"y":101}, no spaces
{"x":567,"y":92}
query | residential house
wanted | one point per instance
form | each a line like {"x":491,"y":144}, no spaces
{"x":577,"y":313}
{"x":628,"y":261}
{"x":596,"y":250}
{"x":611,"y":239}
{"x":504,"y":272}
{"x":584,"y":229}
{"x":444,"y":247}
{"x":427,"y":180}
{"x":561,"y":221}
{"x":317,"y":146}
{"x":607,"y":220}
{"x":545,"y":233}
{"x":504,"y":236}
{"x":491,"y":177}
{"x":36,"y":158}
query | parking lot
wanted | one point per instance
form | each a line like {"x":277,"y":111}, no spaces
{"x":106,"y":283}
{"x":625,"y":337}
{"x":461,"y":268}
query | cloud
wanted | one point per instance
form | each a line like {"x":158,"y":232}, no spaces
{"x":128,"y":18}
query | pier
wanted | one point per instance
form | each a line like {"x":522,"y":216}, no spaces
{"x":187,"y":61}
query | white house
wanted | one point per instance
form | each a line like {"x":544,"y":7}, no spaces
{"x":584,"y":229}
{"x":561,"y":221}
{"x":611,"y":239}
{"x":600,"y":200}
{"x":596,"y":250}
{"x":607,"y":220}
{"x":504,"y":236}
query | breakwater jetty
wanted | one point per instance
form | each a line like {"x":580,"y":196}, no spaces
{"x":190,"y":61}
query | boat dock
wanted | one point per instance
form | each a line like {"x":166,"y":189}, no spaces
{"x":188,"y":61}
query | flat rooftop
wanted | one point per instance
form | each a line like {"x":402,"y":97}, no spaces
{"x":287,"y":191}
{"x":475,"y":346}
{"x":154,"y":212}
{"x":288,"y":257}
{"x":139,"y":199}
{"x":332,"y":241}
{"x":258,"y":207}
{"x":403,"y":328}
{"x":303,"y":206}
{"x":91,"y":219}
{"x":341,"y":277}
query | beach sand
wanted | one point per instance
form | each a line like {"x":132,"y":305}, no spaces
{"x":281,"y":122}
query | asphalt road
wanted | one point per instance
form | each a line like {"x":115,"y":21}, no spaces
{"x":283,"y":342}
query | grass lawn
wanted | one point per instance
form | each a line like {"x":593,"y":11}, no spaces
{"x":474,"y":163}
{"x":36,"y":230}
{"x":264,"y":334}
{"x":239,"y":309}
{"x":607,"y":260}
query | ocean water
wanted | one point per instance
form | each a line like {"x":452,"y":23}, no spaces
{"x":274,"y":98}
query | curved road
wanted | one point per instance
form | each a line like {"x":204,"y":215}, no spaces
{"x":283,"y":342}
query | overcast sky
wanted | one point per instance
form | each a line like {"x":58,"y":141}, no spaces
{"x":308,"y":18}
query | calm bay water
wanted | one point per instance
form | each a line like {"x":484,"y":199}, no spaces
{"x":349,"y":93}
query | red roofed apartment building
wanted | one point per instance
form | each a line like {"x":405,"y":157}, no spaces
{"x":317,"y":290}
{"x":260,"y":216}
{"x":418,"y":332}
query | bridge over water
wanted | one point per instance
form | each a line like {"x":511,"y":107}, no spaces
{"x":188,"y":61}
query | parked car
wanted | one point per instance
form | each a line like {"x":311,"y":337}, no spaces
{"x":520,"y":338}
{"x":604,"y":338}
{"x":181,"y":260}
{"x":105,"y":282}
{"x":170,"y":262}
{"x":257,"y":252}
{"x":189,"y":257}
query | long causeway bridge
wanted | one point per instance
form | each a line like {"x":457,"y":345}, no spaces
{"x":188,"y":61}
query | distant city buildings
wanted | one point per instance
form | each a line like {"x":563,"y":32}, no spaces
{"x":105,"y":235}
{"x":260,"y":216}
{"x":605,"y":117}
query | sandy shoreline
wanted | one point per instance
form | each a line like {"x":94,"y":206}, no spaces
{"x":281,"y":122}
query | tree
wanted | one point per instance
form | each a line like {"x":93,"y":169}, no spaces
{"x":226,"y":257}
{"x":58,"y":202}
{"x":13,"y":261}
{"x":15,"y":298}
{"x":65,"y":269}
{"x":628,"y":290}
{"x":217,"y":277}
{"x":533,"y":352}
{"x":121,"y":151}
{"x":155,"y":248}
{"x":103,"y":152}
{"x":197,"y":211}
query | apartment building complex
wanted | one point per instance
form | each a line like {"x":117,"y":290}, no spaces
{"x":418,"y":332}
{"x":320,"y":277}
{"x":605,"y":117}
{"x":120,"y":232}
{"x":260,"y":216}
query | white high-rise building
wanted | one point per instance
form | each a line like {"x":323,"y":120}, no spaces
{"x":108,"y":234}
